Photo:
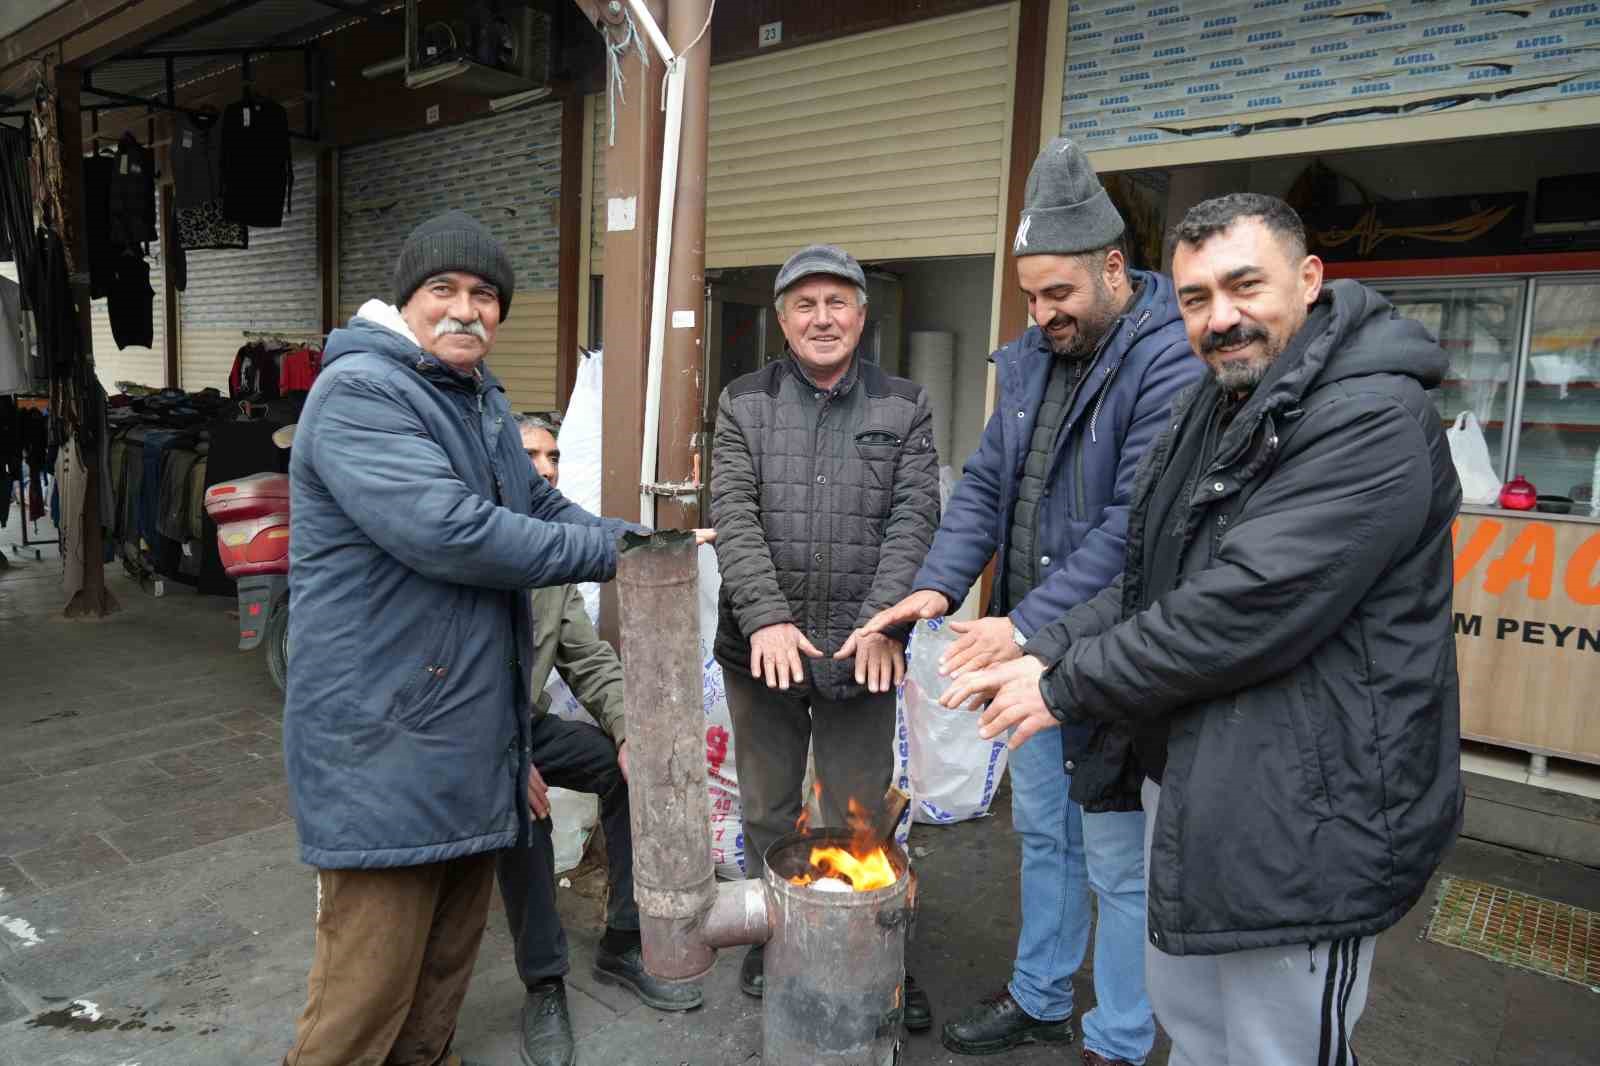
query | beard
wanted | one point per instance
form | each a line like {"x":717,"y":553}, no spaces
{"x":1240,"y":375}
{"x":1092,"y":325}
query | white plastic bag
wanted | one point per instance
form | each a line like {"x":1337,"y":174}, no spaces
{"x":954,"y":772}
{"x":727,"y":817}
{"x":1470,"y":451}
{"x":573,"y":816}
{"x":579,"y":440}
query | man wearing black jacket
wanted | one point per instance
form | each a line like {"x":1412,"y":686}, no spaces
{"x":1274,"y":672}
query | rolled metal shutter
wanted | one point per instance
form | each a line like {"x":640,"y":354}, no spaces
{"x":142,"y":366}
{"x":915,"y":122}
{"x":272,"y":285}
{"x":504,"y":171}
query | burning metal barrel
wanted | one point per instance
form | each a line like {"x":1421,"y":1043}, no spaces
{"x":833,"y":906}
{"x":835,"y":966}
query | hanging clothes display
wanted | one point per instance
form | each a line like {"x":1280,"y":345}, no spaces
{"x":197,"y":186}
{"x":97,"y":171}
{"x":10,"y":453}
{"x":299,"y":370}
{"x":256,"y":162}
{"x":131,"y":303}
{"x":58,"y":348}
{"x":131,"y":199}
{"x":13,"y":354}
{"x":16,"y":201}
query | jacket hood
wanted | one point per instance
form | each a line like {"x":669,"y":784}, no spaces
{"x":1357,"y":333}
{"x":376,"y":327}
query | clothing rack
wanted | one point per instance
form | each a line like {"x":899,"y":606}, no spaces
{"x":284,"y":335}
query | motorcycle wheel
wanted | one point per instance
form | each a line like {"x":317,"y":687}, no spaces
{"x":278,"y":646}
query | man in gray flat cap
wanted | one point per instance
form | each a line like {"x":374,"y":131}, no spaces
{"x":1082,"y":394}
{"x":825,"y":495}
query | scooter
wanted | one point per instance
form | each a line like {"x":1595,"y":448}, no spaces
{"x":252,"y":517}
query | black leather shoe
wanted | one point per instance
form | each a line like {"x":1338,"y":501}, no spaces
{"x":998,"y":1024}
{"x":919,"y":1012}
{"x":627,"y":971}
{"x":752,"y":975}
{"x":547,"y":1028}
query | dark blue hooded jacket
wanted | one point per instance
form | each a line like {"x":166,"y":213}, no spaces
{"x":1121,"y":407}
{"x":418,"y":524}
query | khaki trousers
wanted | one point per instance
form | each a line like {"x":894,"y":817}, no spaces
{"x":395,"y":950}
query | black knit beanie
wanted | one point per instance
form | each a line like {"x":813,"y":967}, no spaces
{"x":453,"y":241}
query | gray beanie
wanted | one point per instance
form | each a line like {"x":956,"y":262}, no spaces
{"x":1064,"y":209}
{"x":453,"y":241}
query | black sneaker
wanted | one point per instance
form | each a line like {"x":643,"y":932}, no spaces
{"x":752,"y":975}
{"x":919,"y":1011}
{"x":998,"y":1024}
{"x":547,"y":1028}
{"x":627,"y":971}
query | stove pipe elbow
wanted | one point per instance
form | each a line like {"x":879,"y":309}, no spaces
{"x":683,"y":915}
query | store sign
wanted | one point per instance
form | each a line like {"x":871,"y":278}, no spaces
{"x":1528,"y":632}
{"x":1432,"y":228}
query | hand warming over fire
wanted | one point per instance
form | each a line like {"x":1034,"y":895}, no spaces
{"x":1014,"y":700}
{"x":983,"y":643}
{"x":775,"y":654}
{"x":880,"y":663}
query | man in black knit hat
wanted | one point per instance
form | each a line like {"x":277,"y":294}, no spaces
{"x":418,"y":527}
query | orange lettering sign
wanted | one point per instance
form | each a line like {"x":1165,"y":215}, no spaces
{"x":1532,"y":556}
{"x":1583,"y":585}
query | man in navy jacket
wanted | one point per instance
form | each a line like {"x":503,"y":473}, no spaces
{"x":1081,"y":395}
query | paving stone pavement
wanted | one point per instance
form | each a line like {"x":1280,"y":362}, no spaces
{"x":153,"y":911}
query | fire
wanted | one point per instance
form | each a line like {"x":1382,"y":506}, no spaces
{"x":862,"y":874}
{"x":863,"y":866}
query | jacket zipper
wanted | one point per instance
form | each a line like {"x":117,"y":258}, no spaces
{"x":1106,"y":388}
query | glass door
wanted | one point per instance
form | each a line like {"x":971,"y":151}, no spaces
{"x":1557,"y":442}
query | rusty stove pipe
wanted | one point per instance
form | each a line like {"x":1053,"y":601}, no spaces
{"x":683,"y":915}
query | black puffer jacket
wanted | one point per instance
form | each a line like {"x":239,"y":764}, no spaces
{"x":1306,"y":667}
{"x":824,"y":505}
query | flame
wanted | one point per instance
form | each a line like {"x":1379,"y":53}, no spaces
{"x":862,"y":874}
{"x":864,"y":865}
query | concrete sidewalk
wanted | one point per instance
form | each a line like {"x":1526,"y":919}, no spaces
{"x":153,"y":913}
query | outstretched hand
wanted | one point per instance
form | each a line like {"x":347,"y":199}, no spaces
{"x":775,"y":654}
{"x":1014,"y":701}
{"x":924,"y":603}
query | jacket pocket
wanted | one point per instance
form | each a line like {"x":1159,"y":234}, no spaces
{"x":427,"y":677}
{"x":1314,"y":778}
{"x":878,"y":449}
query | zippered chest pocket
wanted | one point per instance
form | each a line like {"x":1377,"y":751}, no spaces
{"x":878,"y":449}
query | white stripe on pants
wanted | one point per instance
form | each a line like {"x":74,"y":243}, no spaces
{"x":1294,"y":1005}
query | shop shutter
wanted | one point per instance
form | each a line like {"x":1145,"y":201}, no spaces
{"x":505,"y":171}
{"x":1180,"y":82}
{"x":143,"y":366}
{"x":272,"y":285}
{"x":913,"y":121}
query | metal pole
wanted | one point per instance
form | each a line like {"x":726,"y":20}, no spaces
{"x":680,"y":459}
{"x":631,"y":178}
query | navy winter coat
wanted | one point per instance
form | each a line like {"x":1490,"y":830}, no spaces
{"x":418,"y":525}
{"x":1119,"y":410}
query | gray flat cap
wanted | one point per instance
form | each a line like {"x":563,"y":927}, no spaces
{"x":819,"y":259}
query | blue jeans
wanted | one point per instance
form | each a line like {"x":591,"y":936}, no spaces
{"x":1065,"y":851}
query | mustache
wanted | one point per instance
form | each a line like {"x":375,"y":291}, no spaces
{"x":1061,"y":320}
{"x":1240,"y":334}
{"x":448,"y":325}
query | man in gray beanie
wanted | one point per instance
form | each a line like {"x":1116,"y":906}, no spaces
{"x":419,"y":525}
{"x":1081,"y":396}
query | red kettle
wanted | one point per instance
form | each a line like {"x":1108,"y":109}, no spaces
{"x":1519,"y":495}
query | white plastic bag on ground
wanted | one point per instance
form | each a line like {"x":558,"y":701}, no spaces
{"x":1474,"y":467}
{"x":574,"y":816}
{"x":954,"y":772}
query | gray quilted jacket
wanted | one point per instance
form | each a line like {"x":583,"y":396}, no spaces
{"x":824,"y":503}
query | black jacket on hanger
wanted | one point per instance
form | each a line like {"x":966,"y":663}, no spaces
{"x":255,"y":162}
{"x":132,"y":207}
